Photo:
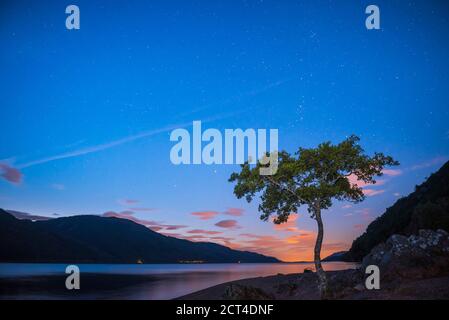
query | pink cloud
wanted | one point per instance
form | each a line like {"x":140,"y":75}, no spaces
{"x":205,"y":215}
{"x":289,"y":226}
{"x":127,"y":212}
{"x":354,"y":181}
{"x":11,"y":174}
{"x":195,"y":237}
{"x":365,"y":213}
{"x":172,"y":226}
{"x":336,"y":246}
{"x":228,"y":224}
{"x":392,"y":172}
{"x":153,"y":225}
{"x":249,"y":235}
{"x":346,"y":206}
{"x":126,"y":215}
{"x":292,"y":248}
{"x":222,"y":238}
{"x":236,"y":212}
{"x":359,"y":226}
{"x":200,"y":231}
{"x":361,"y":184}
{"x":126,"y":202}
{"x":372,"y":192}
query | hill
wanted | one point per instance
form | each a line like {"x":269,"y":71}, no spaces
{"x":95,"y":239}
{"x":336,"y":256}
{"x":425,"y":208}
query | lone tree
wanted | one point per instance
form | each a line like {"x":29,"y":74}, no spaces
{"x":312,"y":177}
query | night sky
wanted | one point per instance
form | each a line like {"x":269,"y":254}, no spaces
{"x":86,"y":114}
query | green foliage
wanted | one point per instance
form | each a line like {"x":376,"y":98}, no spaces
{"x":312,"y":177}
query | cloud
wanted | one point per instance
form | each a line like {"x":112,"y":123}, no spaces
{"x":295,"y":247}
{"x":27,"y":216}
{"x":228,"y":224}
{"x":114,"y":143}
{"x":372,"y":192}
{"x":200,"y":231}
{"x":153,"y":225}
{"x":194,"y":237}
{"x":298,"y":238}
{"x":199,"y":235}
{"x":365,"y":213}
{"x":101,"y":147}
{"x":289,"y":226}
{"x":58,"y":186}
{"x":353,"y":180}
{"x":249,"y":235}
{"x":10,"y":174}
{"x":367,"y":191}
{"x":335,"y":246}
{"x":361,"y":184}
{"x":222,"y":238}
{"x":126,"y":202}
{"x":127,"y":212}
{"x":347,"y":215}
{"x":359,"y":226}
{"x":397,"y":194}
{"x":172,"y":226}
{"x":142,"y":209}
{"x":346,"y":206}
{"x":430,"y":163}
{"x":236,"y":212}
{"x":126,"y":215}
{"x":205,"y":215}
{"x":392,"y":172}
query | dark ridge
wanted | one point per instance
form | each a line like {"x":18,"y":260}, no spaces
{"x":425,"y":208}
{"x":95,"y":239}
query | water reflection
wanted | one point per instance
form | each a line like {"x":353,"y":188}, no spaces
{"x":118,"y":281}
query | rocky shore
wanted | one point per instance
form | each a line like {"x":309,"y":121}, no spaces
{"x":414,"y":267}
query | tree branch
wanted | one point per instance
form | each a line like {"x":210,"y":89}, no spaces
{"x":270,"y":179}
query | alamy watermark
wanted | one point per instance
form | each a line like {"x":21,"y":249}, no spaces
{"x":236,"y":147}
{"x":73,"y":19}
{"x":372,"y":22}
{"x":73,"y":279}
{"x":373,"y":280}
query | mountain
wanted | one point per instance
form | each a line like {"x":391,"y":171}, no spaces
{"x":95,"y":239}
{"x":336,"y":256}
{"x":425,"y":208}
{"x":25,"y":215}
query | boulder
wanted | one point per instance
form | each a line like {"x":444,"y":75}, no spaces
{"x":418,"y":256}
{"x":241,"y":292}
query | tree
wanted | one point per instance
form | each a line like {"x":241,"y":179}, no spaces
{"x":313,"y":177}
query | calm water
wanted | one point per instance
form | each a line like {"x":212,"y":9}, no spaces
{"x":120,"y":281}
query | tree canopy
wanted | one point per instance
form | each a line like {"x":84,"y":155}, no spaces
{"x":311,"y":176}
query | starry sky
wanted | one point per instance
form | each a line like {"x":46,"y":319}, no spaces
{"x":86,"y":114}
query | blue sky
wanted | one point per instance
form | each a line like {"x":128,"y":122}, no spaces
{"x":86,"y":114}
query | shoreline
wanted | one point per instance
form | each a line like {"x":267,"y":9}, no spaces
{"x":344,"y":285}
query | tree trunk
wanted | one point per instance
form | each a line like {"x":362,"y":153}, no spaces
{"x":317,"y":259}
